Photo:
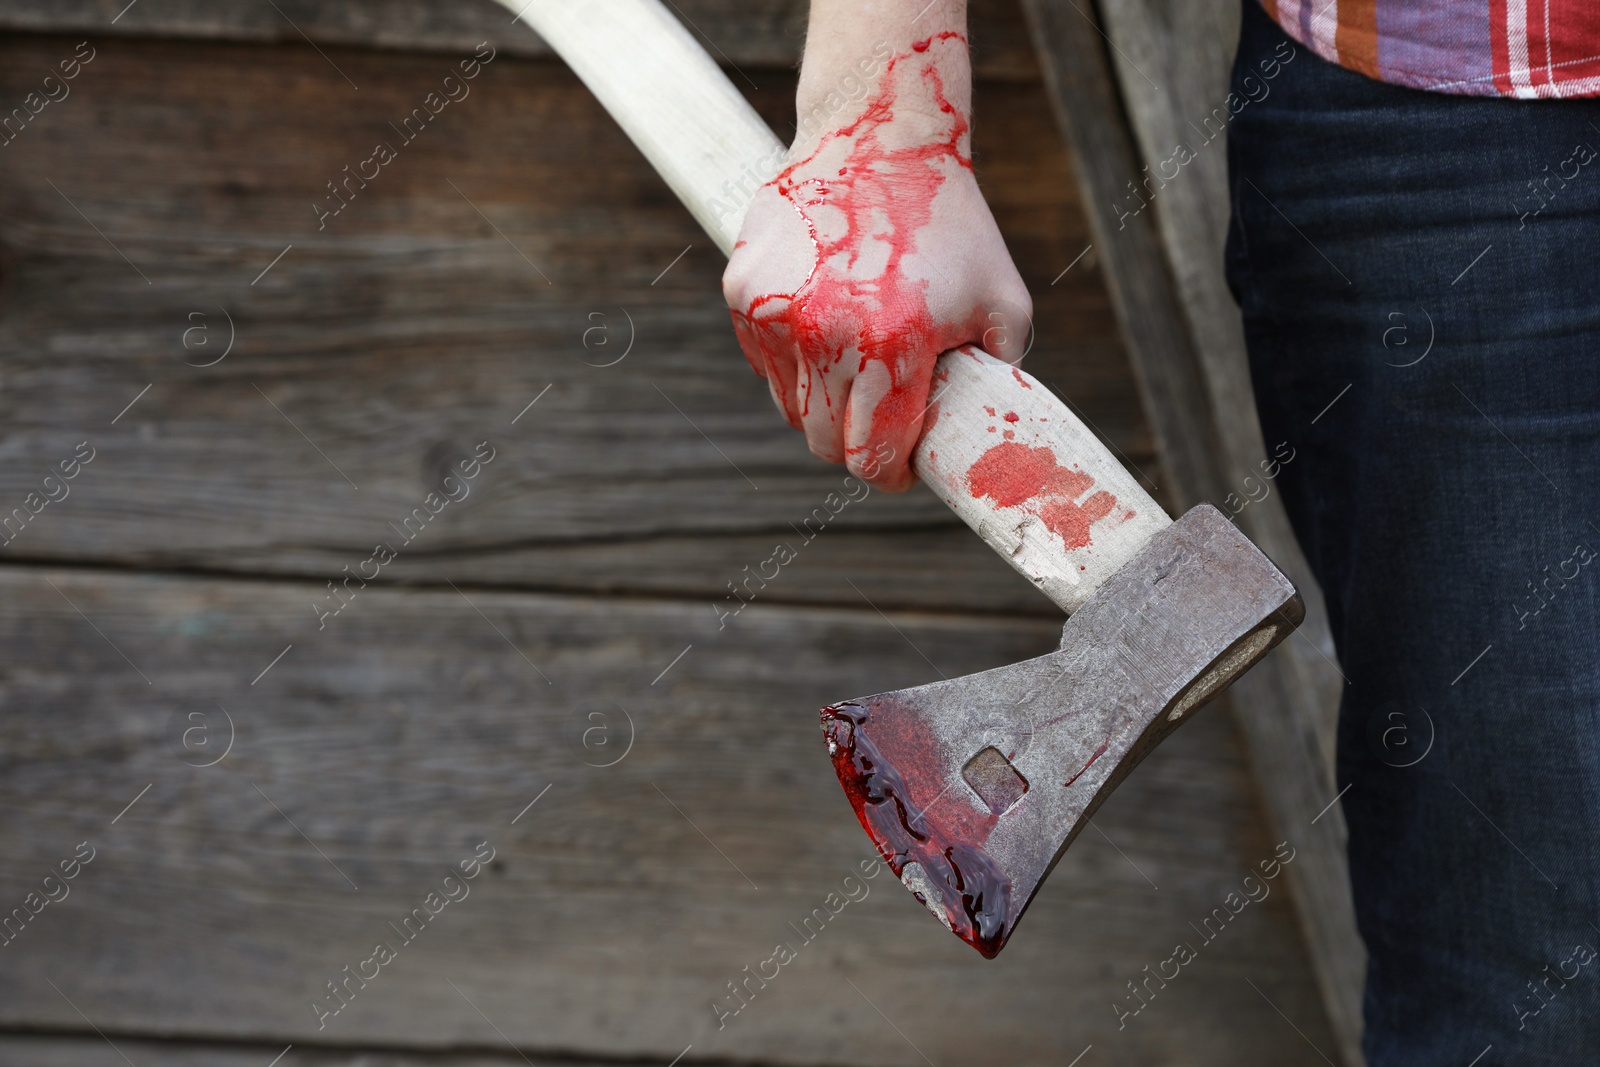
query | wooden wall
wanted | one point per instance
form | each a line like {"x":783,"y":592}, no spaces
{"x":165,"y":606}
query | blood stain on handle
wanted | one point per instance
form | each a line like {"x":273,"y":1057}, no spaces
{"x":1014,"y":475}
{"x":974,"y":893}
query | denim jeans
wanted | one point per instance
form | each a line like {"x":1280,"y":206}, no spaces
{"x":1419,"y":276}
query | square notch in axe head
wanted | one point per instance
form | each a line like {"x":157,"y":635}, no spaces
{"x":973,"y":788}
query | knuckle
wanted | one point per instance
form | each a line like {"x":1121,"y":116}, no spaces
{"x":736,"y":282}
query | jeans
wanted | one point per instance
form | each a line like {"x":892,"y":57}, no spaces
{"x":1419,"y":276}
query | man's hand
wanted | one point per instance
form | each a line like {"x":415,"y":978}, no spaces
{"x":872,"y":252}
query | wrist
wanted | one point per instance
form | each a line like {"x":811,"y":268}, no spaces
{"x":852,"y":44}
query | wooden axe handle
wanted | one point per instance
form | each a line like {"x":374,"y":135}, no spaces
{"x":999,"y":449}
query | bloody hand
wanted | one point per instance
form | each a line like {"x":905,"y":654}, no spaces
{"x":870,"y":254}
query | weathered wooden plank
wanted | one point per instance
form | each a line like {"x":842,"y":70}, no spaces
{"x":1165,"y":269}
{"x":1194,"y":44}
{"x":410,"y":730}
{"x":382,"y":347}
{"x":889,"y":568}
{"x":743,"y":33}
{"x":98,"y":1051}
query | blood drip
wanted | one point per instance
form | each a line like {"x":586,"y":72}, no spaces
{"x":885,"y":195}
{"x":975,"y":894}
{"x":1017,"y":475}
{"x":1101,"y":751}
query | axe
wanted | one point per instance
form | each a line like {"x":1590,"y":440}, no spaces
{"x":972,"y":788}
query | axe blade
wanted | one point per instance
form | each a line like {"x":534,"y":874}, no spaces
{"x":973,"y":788}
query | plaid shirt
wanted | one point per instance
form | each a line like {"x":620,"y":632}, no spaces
{"x":1521,"y":48}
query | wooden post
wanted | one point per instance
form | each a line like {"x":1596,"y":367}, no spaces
{"x":1164,"y":269}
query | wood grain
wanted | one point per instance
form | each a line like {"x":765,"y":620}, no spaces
{"x":93,"y":1051}
{"x":618,"y":906}
{"x":744,"y":34}
{"x":96,"y":1051}
{"x":412,"y":327}
{"x":666,"y":92}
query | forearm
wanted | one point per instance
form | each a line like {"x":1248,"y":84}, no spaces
{"x":850,"y":43}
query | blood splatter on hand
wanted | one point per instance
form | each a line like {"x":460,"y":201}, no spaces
{"x":870,"y":254}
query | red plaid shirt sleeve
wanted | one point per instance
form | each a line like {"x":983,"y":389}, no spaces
{"x":1517,"y":48}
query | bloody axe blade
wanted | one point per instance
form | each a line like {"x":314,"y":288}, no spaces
{"x":972,"y":788}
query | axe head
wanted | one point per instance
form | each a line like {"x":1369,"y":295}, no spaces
{"x":973,"y":788}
